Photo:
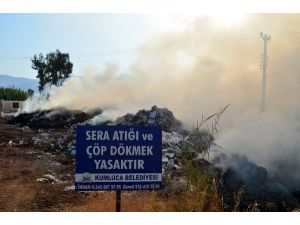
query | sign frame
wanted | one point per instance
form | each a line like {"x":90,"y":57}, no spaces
{"x":102,"y":164}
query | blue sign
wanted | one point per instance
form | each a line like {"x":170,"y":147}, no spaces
{"x":118,"y":158}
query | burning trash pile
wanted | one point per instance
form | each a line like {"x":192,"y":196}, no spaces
{"x":155,"y":116}
{"x":235,"y":174}
{"x":241,"y":176}
{"x":53,"y":118}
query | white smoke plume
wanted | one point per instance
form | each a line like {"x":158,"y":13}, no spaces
{"x":202,"y":68}
{"x":269,"y":139}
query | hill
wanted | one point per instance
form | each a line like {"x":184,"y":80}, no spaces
{"x":18,"y":82}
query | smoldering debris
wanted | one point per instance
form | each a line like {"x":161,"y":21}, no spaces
{"x":155,"y":116}
{"x":269,"y":140}
{"x":234,"y":172}
{"x":49,"y":178}
{"x":53,"y":118}
{"x":239,"y":173}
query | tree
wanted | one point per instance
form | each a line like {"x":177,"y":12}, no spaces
{"x":30,"y":92}
{"x":54,"y":69}
{"x":12,"y":94}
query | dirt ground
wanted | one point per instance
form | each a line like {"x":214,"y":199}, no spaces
{"x":22,"y":164}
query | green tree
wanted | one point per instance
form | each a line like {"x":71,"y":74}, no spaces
{"x":30,"y":92}
{"x":13,"y":94}
{"x":54,"y":68}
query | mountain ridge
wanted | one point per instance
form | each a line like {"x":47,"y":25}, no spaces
{"x":18,"y":82}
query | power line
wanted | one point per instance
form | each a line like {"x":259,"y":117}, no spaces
{"x":14,"y":57}
{"x":118,"y":51}
{"x":133,"y":50}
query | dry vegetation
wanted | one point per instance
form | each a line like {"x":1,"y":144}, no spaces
{"x":197,"y":194}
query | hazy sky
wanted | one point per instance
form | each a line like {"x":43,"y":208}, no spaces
{"x":91,"y":39}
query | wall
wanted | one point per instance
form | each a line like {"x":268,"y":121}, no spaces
{"x":10,"y":106}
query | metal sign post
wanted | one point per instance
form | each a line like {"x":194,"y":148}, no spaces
{"x":118,"y":201}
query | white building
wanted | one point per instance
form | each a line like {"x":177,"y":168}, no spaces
{"x":10,"y":106}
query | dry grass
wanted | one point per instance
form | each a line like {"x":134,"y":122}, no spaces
{"x":148,"y":201}
{"x":237,"y":199}
{"x":198,"y":191}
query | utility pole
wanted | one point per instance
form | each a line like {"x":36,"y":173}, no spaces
{"x":265,"y":38}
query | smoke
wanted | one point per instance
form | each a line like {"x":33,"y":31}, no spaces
{"x":202,"y":68}
{"x":268,"y":139}
{"x":197,"y":70}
